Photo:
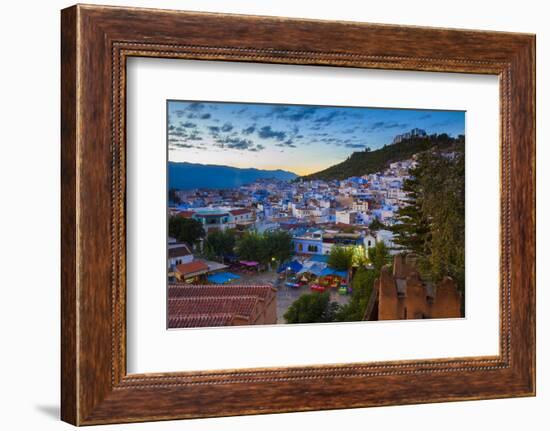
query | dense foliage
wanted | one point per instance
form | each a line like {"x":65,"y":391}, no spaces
{"x":219,"y":244}
{"x":432,"y":226}
{"x":185,"y":230}
{"x":363,"y":283}
{"x":368,"y":162}
{"x":278,"y":245}
{"x":376,"y":225}
{"x":264,"y":248}
{"x":379,"y":255}
{"x":312,"y":308}
{"x":341,"y":258}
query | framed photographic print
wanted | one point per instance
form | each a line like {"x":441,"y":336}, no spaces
{"x":325,"y":214}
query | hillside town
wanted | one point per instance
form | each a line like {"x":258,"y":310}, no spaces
{"x":293,"y":214}
{"x":318,"y":216}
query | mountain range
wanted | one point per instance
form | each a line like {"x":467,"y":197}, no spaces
{"x":185,"y":176}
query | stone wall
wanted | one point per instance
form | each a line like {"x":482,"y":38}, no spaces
{"x":402,"y":294}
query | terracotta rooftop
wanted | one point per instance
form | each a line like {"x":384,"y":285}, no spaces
{"x":195,"y":267}
{"x":181,"y":290}
{"x":186,"y":214}
{"x":240,"y":211}
{"x":201,"y":320}
{"x":213,"y":305}
{"x":243,"y":305}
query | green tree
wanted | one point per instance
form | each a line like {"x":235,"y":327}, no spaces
{"x":379,"y":255}
{"x":312,"y":308}
{"x":376,"y":225}
{"x":278,"y":245}
{"x":186,"y":230}
{"x":251,"y":246}
{"x":341,"y":258}
{"x":220,"y":243}
{"x":363,"y":283}
{"x":432,"y":225}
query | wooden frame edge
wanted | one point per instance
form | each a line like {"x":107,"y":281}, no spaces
{"x":110,"y":393}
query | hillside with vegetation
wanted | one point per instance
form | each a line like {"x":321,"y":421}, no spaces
{"x":368,"y":162}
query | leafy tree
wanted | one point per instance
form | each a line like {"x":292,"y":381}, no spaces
{"x":363,"y":283}
{"x":432,"y":225}
{"x":376,"y":225}
{"x":186,"y":230}
{"x":265,"y":247}
{"x":379,"y":255}
{"x":312,"y":308}
{"x":341,"y":258}
{"x":278,"y":245}
{"x":220,"y":243}
{"x":252,"y":247}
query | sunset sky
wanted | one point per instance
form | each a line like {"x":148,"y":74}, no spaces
{"x":298,"y":138}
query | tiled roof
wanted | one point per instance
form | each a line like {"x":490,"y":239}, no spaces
{"x":190,"y":268}
{"x":211,"y":305}
{"x":243,"y":305}
{"x":180,"y":290}
{"x":186,"y":214}
{"x":240,"y":211}
{"x":180,"y":250}
{"x":201,"y":320}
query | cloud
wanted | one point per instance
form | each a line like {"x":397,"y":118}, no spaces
{"x":205,"y":116}
{"x":214,"y":129}
{"x":425,"y":116}
{"x":355,"y":146}
{"x":298,"y":113}
{"x":227,"y":127}
{"x":258,"y":147}
{"x":195,"y":137}
{"x":383,"y":125}
{"x":195,"y":106}
{"x":188,"y":124}
{"x":181,"y":145}
{"x":267,"y":132}
{"x":235,"y":143}
{"x":178,"y":132}
{"x":327,"y":118}
{"x":249,"y":130}
{"x":289,"y":143}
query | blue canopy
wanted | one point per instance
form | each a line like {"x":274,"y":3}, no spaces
{"x":331,"y":271}
{"x":222,"y":277}
{"x":316,"y":269}
{"x":293,"y":266}
{"x":322,"y":258}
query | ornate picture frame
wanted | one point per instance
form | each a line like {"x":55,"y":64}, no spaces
{"x":96,"y":41}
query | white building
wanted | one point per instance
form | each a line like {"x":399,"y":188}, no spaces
{"x":346,"y":217}
{"x":360,"y":206}
{"x":179,"y":253}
